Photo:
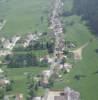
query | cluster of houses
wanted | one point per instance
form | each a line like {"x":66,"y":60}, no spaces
{"x":56,"y":25}
{"x":7,"y":45}
{"x":55,"y":61}
{"x":66,"y":94}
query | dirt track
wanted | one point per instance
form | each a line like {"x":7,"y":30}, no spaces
{"x":78,"y":52}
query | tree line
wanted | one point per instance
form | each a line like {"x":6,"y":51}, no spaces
{"x":88,"y":9}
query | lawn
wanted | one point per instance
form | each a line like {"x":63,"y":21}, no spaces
{"x":24,"y":16}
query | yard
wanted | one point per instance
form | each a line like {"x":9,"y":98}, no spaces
{"x":18,"y":75}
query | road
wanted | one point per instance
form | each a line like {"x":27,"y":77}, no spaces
{"x":56,"y":27}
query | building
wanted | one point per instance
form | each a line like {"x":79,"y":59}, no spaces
{"x":19,"y":97}
{"x":66,"y":94}
{"x":5,"y":52}
{"x":29,"y":38}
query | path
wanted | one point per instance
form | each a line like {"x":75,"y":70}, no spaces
{"x":78,"y":52}
{"x":2,"y":25}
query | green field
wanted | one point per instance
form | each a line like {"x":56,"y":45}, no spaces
{"x":24,"y":16}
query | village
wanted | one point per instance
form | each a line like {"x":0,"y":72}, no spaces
{"x":43,"y":59}
{"x":57,"y":62}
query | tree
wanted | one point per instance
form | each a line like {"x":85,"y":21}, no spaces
{"x":31,"y":87}
{"x":9,"y":87}
{"x":2,"y":93}
{"x":42,"y":19}
{"x":63,"y":60}
{"x":23,"y":60}
{"x":50,"y":47}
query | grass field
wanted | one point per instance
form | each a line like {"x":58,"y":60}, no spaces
{"x":24,"y":16}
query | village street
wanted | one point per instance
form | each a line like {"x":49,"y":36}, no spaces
{"x":57,"y":29}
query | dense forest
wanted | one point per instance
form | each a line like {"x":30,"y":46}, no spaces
{"x":89,"y":10}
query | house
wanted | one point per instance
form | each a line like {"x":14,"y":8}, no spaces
{"x":39,"y":34}
{"x":37,"y":98}
{"x":1,"y":71}
{"x":5,"y":52}
{"x":59,"y":98}
{"x":2,"y":39}
{"x":6,"y":97}
{"x":19,"y":97}
{"x":66,"y":67}
{"x":71,"y":94}
{"x":29,"y":38}
{"x":45,"y":75}
{"x":47,"y":59}
{"x":14,"y":40}
{"x":4,"y":82}
{"x":7,"y":44}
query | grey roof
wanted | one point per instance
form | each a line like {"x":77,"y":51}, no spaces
{"x":60,"y":98}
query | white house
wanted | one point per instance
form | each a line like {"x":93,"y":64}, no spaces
{"x":66,"y":66}
{"x":5,"y":52}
